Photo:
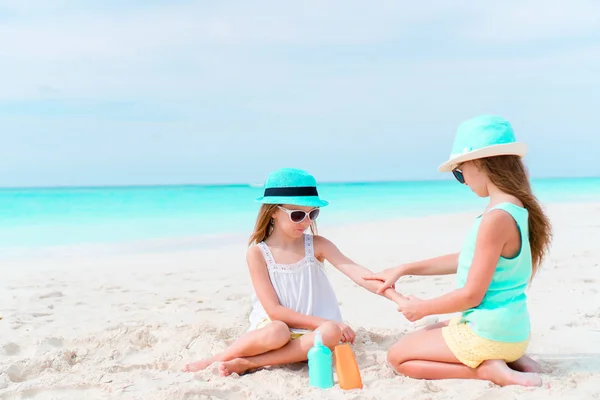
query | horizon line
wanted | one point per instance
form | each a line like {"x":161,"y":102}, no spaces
{"x":257,"y":185}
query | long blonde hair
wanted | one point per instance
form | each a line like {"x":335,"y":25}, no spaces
{"x":263,"y":228}
{"x":509,"y":174}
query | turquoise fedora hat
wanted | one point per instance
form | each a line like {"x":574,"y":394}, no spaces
{"x":481,"y":137}
{"x":292,"y":186}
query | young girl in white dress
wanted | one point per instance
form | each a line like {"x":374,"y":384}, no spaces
{"x":293,"y":296}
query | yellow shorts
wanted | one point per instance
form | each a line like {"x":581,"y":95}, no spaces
{"x":472,"y":350}
{"x":267,"y":321}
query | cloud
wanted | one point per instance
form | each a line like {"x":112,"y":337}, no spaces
{"x":176,"y":50}
{"x":530,"y":21}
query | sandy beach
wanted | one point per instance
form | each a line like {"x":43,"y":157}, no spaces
{"x":123,"y":326}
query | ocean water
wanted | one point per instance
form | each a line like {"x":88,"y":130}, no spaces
{"x":44,"y":217}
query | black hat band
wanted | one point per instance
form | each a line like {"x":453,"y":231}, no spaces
{"x":291,"y":191}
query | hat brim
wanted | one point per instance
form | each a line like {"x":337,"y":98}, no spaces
{"x":303,"y":201}
{"x":516,"y":149}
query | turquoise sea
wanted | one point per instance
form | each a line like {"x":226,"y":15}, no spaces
{"x":41,"y":217}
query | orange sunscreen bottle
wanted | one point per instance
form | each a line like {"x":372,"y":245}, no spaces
{"x":347,"y":368}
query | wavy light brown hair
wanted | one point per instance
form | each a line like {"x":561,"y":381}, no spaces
{"x":264,"y":225}
{"x":509,"y":174}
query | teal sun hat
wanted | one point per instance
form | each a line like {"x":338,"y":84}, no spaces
{"x":291,"y":186}
{"x":481,"y":137}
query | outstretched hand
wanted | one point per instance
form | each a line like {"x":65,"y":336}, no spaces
{"x":380,"y":282}
{"x":387,"y":277}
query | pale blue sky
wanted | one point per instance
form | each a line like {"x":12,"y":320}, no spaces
{"x":152,"y":92}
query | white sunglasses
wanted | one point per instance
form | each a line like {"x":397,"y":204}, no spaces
{"x":298,"y":216}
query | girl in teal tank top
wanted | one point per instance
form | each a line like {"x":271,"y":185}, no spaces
{"x":498,"y":259}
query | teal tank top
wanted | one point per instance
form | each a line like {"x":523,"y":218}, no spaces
{"x":502,"y":315}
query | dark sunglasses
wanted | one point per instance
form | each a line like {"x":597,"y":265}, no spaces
{"x":299,"y":215}
{"x":458,"y":174}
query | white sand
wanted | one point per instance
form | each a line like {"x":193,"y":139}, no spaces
{"x":122,"y":327}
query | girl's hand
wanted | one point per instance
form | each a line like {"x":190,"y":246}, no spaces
{"x":388,"y":277}
{"x":413,"y":308}
{"x":348,"y":334}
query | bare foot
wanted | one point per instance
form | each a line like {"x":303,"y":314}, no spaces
{"x":235,"y":366}
{"x":498,"y":372}
{"x":199,"y":365}
{"x":526,"y":364}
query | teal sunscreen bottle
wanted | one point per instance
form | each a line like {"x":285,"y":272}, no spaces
{"x":320,"y":364}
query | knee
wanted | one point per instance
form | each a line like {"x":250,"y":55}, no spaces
{"x":278,"y":334}
{"x":397,"y":363}
{"x":400,"y":359}
{"x":395,"y":356}
{"x":393,"y":359}
{"x":331,"y":333}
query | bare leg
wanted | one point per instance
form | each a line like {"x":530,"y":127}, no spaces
{"x":273,"y":336}
{"x":523,"y":364}
{"x":294,"y":351}
{"x":526,"y":364}
{"x":425,"y":355}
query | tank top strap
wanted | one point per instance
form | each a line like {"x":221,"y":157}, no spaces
{"x":309,"y":248}
{"x":519,"y":214}
{"x":267,"y":254}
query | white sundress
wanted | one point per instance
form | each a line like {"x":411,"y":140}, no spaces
{"x":302,"y":287}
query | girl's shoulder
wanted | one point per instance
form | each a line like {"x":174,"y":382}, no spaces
{"x":321,"y":240}
{"x":497,"y":225}
{"x":505,"y":212}
{"x":322,"y":246}
{"x":318,"y":239}
{"x":254,"y":255}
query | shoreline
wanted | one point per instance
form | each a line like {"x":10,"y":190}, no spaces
{"x":180,"y":244}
